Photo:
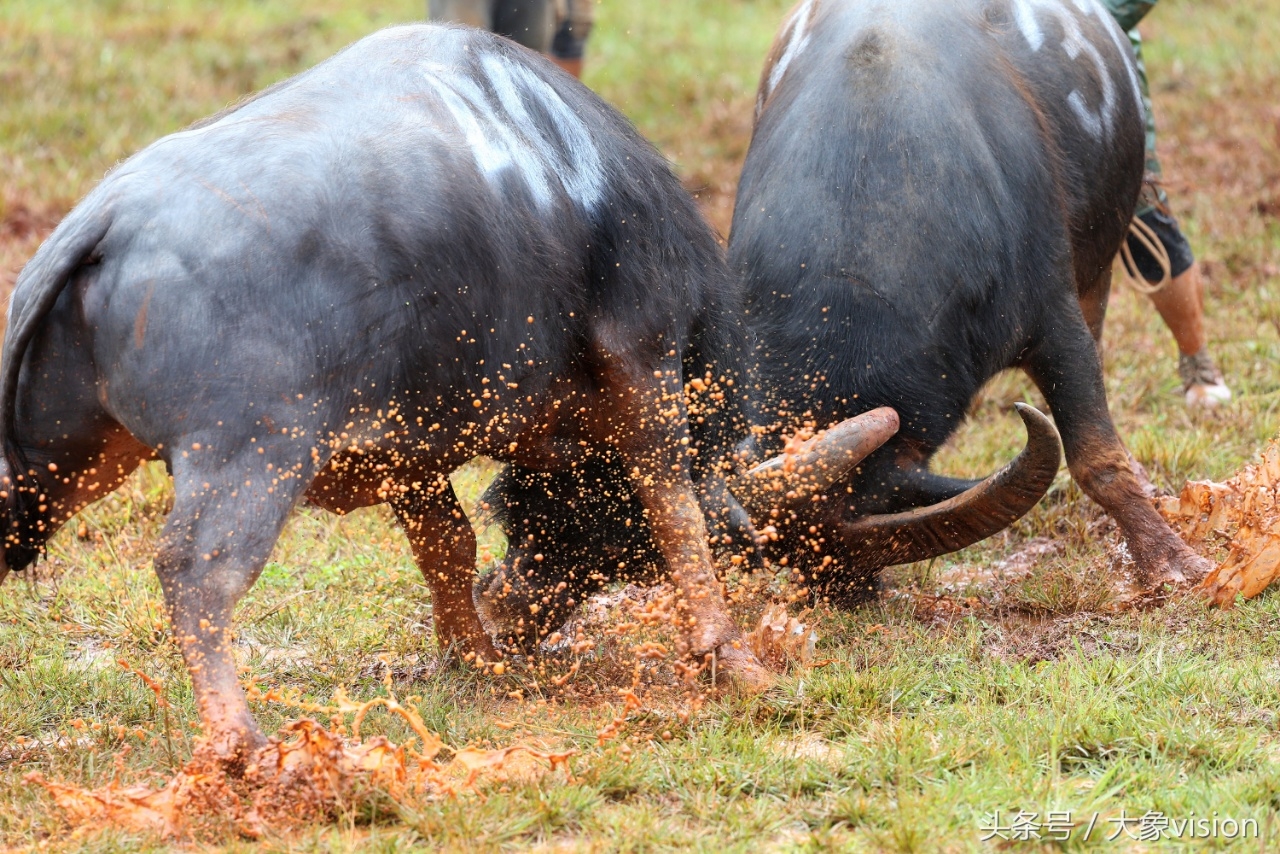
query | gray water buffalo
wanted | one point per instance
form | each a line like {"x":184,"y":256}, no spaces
{"x":431,"y":246}
{"x":934,"y":192}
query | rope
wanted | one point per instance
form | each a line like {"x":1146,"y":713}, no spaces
{"x":1133,"y":277}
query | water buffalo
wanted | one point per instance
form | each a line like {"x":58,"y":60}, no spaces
{"x":431,"y":246}
{"x":934,"y":193}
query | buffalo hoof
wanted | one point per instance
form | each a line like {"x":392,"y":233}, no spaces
{"x":233,"y":749}
{"x":471,"y":650}
{"x":1181,"y":567}
{"x":737,"y":667}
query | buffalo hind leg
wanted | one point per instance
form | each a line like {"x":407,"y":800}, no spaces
{"x":226,"y":519}
{"x":646,"y":421}
{"x":1093,"y":305}
{"x":1066,"y":368}
{"x":444,"y":547}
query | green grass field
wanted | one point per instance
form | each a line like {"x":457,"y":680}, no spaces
{"x":1007,"y":678}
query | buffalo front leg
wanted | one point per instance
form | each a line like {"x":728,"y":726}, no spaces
{"x":444,"y":547}
{"x":648,"y":423}
{"x":1066,"y":368}
{"x":215,"y":543}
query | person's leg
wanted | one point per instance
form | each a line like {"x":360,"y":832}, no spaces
{"x":1180,"y":301}
{"x":573,"y":27}
{"x":1181,"y":305}
{"x":529,"y":22}
{"x":473,"y":13}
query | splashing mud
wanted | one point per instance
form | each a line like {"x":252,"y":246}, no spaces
{"x":1243,"y":512}
{"x":616,"y":652}
{"x":780,"y":639}
{"x":309,"y":773}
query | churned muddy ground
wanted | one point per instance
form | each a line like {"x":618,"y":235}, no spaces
{"x":1019,"y":678}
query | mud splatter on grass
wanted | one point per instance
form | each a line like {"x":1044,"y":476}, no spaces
{"x":1243,"y":513}
{"x":308,"y":774}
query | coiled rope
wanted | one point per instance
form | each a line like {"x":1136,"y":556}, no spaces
{"x":1150,"y":241}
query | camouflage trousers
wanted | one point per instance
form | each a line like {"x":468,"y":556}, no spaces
{"x":1153,"y":203}
{"x":1127,"y":14}
{"x":1153,"y":195}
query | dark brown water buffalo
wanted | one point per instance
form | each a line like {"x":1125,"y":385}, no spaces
{"x":934,"y":193}
{"x":433,"y":245}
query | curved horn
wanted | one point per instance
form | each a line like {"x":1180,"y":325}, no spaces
{"x":975,"y":514}
{"x":811,"y":467}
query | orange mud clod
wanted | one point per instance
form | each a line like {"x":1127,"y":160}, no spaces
{"x":780,"y":640}
{"x":1244,"y":511}
{"x":306,"y":774}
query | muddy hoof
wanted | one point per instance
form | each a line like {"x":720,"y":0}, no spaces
{"x":467,"y":648}
{"x":1181,"y":568}
{"x":1191,"y":567}
{"x":737,"y":667}
{"x":233,"y":750}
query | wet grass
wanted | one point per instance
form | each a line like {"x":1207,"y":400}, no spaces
{"x":933,"y":711}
